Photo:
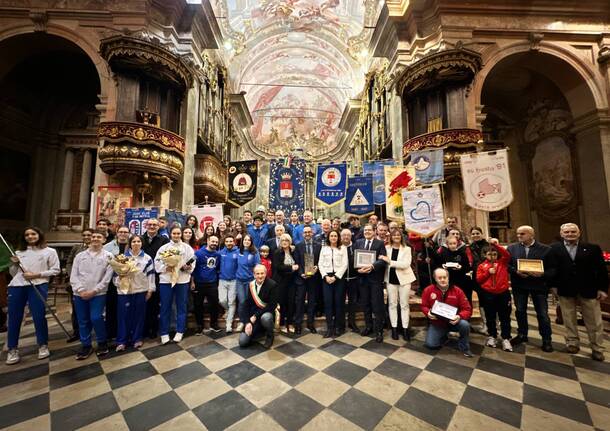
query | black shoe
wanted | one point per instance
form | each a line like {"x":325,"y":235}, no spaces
{"x":268,"y":341}
{"x":353,"y":327}
{"x":199,"y":331}
{"x":298,"y":330}
{"x":467,"y":353}
{"x":366,"y":332}
{"x":598,"y":356}
{"x":312,"y":329}
{"x":72,"y":339}
{"x":406,"y":334}
{"x":379,"y":337}
{"x":547,"y":346}
{"x":339,"y":332}
{"x":518,"y":340}
{"x":394,"y":334}
{"x":84,"y":353}
{"x":329,"y":333}
{"x":215,"y":328}
{"x":102,"y":349}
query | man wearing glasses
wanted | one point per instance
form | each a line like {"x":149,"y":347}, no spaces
{"x":152,"y":243}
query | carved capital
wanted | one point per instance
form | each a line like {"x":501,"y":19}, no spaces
{"x":535,"y":39}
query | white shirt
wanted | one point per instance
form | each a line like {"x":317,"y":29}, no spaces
{"x":91,"y":271}
{"x":186,"y":252}
{"x":333,"y":260}
{"x":143,"y":280}
{"x":43,"y":261}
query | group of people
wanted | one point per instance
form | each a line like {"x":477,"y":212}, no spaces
{"x":270,"y":270}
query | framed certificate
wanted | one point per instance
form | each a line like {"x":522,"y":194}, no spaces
{"x":364,"y":258}
{"x":530,"y":265}
{"x":443,"y":310}
{"x":309,"y":264}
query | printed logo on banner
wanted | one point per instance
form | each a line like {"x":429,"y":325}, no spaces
{"x":287,"y":185}
{"x":359,"y":195}
{"x":242,"y":181}
{"x":429,"y":168}
{"x":207,"y":215}
{"x":397,"y":179}
{"x":331,"y":183}
{"x":375,"y":168}
{"x":423,"y":209}
{"x":486,"y":180}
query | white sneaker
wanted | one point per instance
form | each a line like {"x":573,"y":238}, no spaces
{"x":12,"y":357}
{"x":506,"y":346}
{"x":491,"y":342}
{"x":164,"y":339}
{"x":240,"y":327}
{"x":229,"y":329}
{"x":178,"y":337}
{"x":43,"y":352}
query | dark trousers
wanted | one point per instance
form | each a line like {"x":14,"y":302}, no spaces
{"x":287,"y":302}
{"x":153,"y":308}
{"x":111,"y":311}
{"x":352,"y":287}
{"x":497,"y":305}
{"x":371,"y":301}
{"x":334,"y":304}
{"x":263,"y":326}
{"x":306,"y":287}
{"x":540,"y":300}
{"x":209,"y":292}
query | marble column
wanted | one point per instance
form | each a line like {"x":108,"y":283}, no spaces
{"x":85,"y":182}
{"x":66,"y":185}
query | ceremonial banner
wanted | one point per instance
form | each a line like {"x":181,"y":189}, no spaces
{"x":359,"y":195}
{"x":136,"y":219}
{"x":207,"y":215}
{"x":331,"y":181}
{"x":242,"y":181}
{"x":287,"y":185}
{"x":423,"y":209}
{"x":486,"y":180}
{"x":175,"y":218}
{"x":429,"y":168}
{"x":375,"y":168}
{"x":111,"y":203}
{"x":397,"y":179}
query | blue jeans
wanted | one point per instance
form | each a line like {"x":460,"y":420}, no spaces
{"x":437,"y":334}
{"x":168,"y":293}
{"x":131,"y":313}
{"x":90,"y":314}
{"x":334,"y":304}
{"x":18,"y":296}
{"x":541,"y":306}
{"x":242,"y":292}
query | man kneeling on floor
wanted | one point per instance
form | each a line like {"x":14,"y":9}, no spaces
{"x":439,"y":327}
{"x":260,"y":304}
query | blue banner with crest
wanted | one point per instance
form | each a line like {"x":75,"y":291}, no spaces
{"x":331,"y":180}
{"x":359,"y":196}
{"x":287,"y":185}
{"x":375,"y":168}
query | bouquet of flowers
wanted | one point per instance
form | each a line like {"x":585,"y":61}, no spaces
{"x":124,"y":266}
{"x":172,"y":258}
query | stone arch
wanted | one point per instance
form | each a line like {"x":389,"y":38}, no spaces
{"x":89,"y":45}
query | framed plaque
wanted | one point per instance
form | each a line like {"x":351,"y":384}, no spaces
{"x":309,"y":264}
{"x":443,"y":310}
{"x":364,"y":258}
{"x":535,"y":266}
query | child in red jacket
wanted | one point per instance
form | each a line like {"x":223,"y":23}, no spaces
{"x":492,"y":276}
{"x":265,"y":260}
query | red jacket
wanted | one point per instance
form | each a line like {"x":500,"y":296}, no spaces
{"x":267,"y":262}
{"x":498,"y":282}
{"x":453,"y":296}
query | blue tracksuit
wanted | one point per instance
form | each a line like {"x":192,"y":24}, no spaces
{"x":259,"y":236}
{"x":246,"y":262}
{"x":228,"y":263}
{"x":206,"y":268}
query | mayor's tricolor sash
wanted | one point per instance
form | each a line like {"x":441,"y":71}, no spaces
{"x":257,"y":299}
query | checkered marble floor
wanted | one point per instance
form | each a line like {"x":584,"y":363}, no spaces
{"x":310,"y":383}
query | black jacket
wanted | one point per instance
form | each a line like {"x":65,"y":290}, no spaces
{"x":456,"y":276}
{"x":299,"y":256}
{"x":272,"y":244}
{"x":151,"y":247}
{"x":351,"y":272}
{"x":537,"y":251}
{"x":584,"y":276}
{"x":282,"y":274}
{"x":268,"y":294}
{"x":378,"y":274}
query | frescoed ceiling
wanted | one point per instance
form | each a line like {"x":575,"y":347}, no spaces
{"x":298,"y":61}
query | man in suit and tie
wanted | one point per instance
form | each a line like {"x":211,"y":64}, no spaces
{"x":280,"y":220}
{"x":352,"y":282}
{"x":371,"y":284}
{"x":526,"y":284}
{"x":579,"y":276}
{"x":274,"y":242}
{"x":260,"y":304}
{"x":307,"y":283}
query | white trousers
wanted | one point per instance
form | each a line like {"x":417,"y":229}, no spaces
{"x":399,"y":294}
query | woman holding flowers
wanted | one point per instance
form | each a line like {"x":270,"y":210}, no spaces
{"x":174,"y":262}
{"x":135,"y":281}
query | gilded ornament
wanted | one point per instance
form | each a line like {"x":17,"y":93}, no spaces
{"x":139,"y":133}
{"x":154,"y":155}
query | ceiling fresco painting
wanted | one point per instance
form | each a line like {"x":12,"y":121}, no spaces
{"x":298,"y":61}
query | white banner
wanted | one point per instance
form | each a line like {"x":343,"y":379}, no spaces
{"x":207,"y":215}
{"x":423,"y":210}
{"x":486,"y":180}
